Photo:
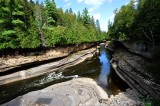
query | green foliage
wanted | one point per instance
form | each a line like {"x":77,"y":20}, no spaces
{"x":17,"y":22}
{"x":122,"y":36}
{"x":18,"y":13}
{"x":150,"y":102}
{"x":53,"y":35}
{"x":1,"y":21}
{"x":8,"y":33}
{"x":25,"y":24}
{"x":139,"y":22}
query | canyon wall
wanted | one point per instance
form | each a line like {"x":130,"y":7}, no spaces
{"x":129,"y":60}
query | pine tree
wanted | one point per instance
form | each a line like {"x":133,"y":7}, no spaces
{"x":92,"y":21}
{"x":79,"y":17}
{"x":98,"y":25}
{"x":86,"y":17}
{"x":71,"y":11}
{"x":51,"y":12}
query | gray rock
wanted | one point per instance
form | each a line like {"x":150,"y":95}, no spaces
{"x":131,"y":68}
{"x":77,"y":92}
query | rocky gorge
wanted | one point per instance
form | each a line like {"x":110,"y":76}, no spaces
{"x":81,"y":91}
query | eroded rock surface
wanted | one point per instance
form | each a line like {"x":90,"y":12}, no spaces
{"x":10,"y":62}
{"x":131,"y":68}
{"x":140,"y":48}
{"x":50,"y":67}
{"x":77,"y":92}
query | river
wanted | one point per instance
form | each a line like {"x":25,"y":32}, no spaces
{"x":98,"y":69}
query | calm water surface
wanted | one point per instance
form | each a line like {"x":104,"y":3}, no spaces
{"x":98,"y":69}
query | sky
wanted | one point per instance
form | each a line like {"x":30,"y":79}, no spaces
{"x":100,"y":9}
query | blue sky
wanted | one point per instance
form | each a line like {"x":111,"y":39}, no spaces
{"x":100,"y":9}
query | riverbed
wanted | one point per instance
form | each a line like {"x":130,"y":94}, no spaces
{"x":98,"y":68}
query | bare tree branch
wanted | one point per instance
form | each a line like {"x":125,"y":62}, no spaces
{"x":146,"y":35}
{"x":152,"y":36}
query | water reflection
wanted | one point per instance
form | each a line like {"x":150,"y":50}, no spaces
{"x":105,"y":68}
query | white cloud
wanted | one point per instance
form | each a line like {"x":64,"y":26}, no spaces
{"x":68,"y":4}
{"x":79,"y":1}
{"x":95,"y":3}
{"x":104,"y":26}
{"x":91,"y":9}
{"x":66,"y":0}
{"x":126,"y":3}
{"x":97,"y":16}
{"x":111,"y":18}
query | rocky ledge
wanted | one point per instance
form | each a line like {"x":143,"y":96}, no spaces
{"x":76,"y":92}
{"x":131,"y":68}
{"x":10,"y":63}
{"x":58,"y":65}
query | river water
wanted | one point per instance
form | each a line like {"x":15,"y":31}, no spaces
{"x":98,"y":69}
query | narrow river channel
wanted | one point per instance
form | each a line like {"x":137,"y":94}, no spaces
{"x":98,"y":69}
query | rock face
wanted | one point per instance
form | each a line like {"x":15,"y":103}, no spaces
{"x":140,"y":48}
{"x":14,"y":62}
{"x":131,"y":68}
{"x":77,"y":92}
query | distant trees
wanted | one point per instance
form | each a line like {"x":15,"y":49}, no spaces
{"x":26,"y":24}
{"x":97,"y":25}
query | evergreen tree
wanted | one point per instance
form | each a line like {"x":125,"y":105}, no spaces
{"x":92,"y":21}
{"x":98,"y":25}
{"x":86,"y":17}
{"x":51,"y":12}
{"x":71,"y":11}
{"x":79,"y":17}
{"x":11,"y":19}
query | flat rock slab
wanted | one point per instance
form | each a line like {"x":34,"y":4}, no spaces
{"x":77,"y":92}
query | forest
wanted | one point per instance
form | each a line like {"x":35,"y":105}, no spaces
{"x":29,"y":24}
